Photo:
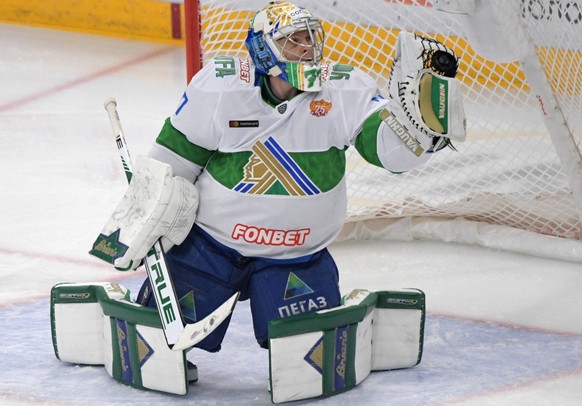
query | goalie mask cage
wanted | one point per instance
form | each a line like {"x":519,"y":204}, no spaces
{"x":515,"y":183}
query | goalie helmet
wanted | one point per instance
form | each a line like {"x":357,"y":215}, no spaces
{"x":286,"y":41}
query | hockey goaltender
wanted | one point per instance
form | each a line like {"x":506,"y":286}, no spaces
{"x":245,"y":186}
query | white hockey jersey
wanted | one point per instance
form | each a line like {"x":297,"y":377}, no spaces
{"x":271,"y":179}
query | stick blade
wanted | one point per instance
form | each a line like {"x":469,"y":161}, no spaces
{"x":196,"y":332}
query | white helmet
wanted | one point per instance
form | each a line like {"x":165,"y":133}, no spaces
{"x":281,"y":20}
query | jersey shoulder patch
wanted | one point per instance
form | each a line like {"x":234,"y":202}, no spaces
{"x":225,"y":73}
{"x":339,"y":75}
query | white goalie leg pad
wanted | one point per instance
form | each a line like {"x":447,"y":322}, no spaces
{"x":332,"y":351}
{"x":97,"y":324}
{"x":139,"y":354}
{"x":77,"y":320}
{"x":155,"y":205}
{"x":398,"y":332}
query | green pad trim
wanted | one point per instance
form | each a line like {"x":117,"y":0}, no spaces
{"x":433,"y":102}
{"x":401,"y":300}
{"x":123,"y":309}
{"x":339,"y":354}
{"x":65,"y":293}
{"x":126,"y":366}
{"x":128,"y":311}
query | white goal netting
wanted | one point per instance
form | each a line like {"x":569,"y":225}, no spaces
{"x":510,"y":174}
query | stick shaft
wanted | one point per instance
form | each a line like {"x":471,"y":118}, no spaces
{"x":111,"y":107}
{"x":155,"y":261}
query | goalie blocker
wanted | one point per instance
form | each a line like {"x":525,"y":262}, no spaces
{"x":331,"y":351}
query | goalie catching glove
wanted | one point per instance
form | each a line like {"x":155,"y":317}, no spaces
{"x":155,"y":205}
{"x":425,"y":96}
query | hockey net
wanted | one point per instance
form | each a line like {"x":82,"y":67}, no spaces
{"x":509,"y":183}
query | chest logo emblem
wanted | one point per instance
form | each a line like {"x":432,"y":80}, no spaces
{"x":319,"y":108}
{"x":270,"y":164}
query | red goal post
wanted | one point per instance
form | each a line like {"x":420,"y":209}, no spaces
{"x":516,"y":183}
{"x":193,"y":36}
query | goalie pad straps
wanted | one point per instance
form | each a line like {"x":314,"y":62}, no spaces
{"x":156,"y":204}
{"x":331,"y":351}
{"x":423,"y":84}
{"x":97,"y":324}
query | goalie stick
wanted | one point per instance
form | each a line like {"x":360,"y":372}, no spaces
{"x":179,"y":335}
